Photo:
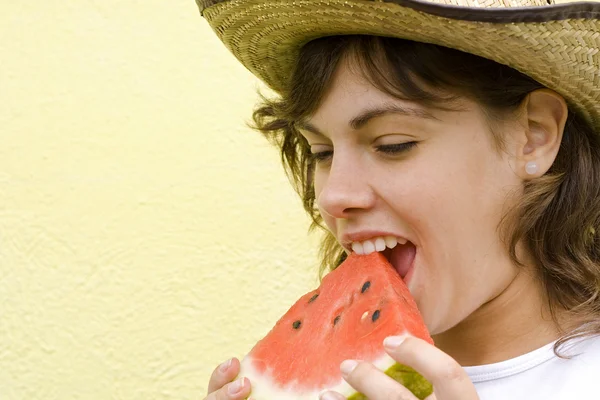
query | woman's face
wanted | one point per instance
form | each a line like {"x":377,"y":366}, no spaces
{"x":446,"y":195}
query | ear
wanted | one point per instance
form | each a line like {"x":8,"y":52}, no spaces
{"x":545,"y":115}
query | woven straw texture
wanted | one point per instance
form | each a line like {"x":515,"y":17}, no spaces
{"x":562,"y":53}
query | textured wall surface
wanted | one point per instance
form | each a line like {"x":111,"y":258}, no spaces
{"x":145,"y":233}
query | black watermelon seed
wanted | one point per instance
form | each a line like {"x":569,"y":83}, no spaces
{"x":375,"y":316}
{"x":314,"y":297}
{"x":366,"y":286}
{"x":297,"y":324}
{"x":336,"y":320}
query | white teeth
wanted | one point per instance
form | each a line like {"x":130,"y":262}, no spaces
{"x":377,"y":244}
{"x":368,"y":247}
{"x":357,"y":248}
{"x":391,"y":241}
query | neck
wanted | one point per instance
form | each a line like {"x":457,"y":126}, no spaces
{"x":513,"y":323}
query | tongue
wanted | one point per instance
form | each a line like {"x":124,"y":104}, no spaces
{"x":401,"y":257}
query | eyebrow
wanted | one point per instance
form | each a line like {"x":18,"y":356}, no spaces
{"x":367,"y":115}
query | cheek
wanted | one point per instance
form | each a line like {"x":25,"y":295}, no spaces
{"x":456,"y":205}
{"x":318,"y":182}
{"x":461,"y":184}
{"x":329,"y":221}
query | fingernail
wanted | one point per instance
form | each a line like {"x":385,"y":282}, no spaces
{"x":225,"y":366}
{"x":236,"y":387}
{"x":348,"y":366}
{"x":393,"y":342}
{"x":327,"y":396}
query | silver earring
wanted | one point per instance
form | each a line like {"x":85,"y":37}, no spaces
{"x":531,"y":168}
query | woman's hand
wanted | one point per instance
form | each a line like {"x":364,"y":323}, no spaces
{"x":221,"y":387}
{"x":449,"y":379}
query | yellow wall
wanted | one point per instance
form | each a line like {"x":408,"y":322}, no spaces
{"x":145,"y":233}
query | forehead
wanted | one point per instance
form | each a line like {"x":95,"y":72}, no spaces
{"x":348,"y":92}
{"x":349,"y":84}
{"x":352,"y":99}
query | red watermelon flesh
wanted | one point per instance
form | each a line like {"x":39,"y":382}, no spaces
{"x":355,"y":308}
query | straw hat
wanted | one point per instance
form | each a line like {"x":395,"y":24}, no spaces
{"x":556,"y":44}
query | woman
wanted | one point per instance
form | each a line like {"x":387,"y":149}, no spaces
{"x":471,"y":133}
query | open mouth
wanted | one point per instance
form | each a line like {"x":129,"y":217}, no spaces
{"x":402,"y":258}
{"x":398,"y":251}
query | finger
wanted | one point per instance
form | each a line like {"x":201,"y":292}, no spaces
{"x":223,"y":374}
{"x":329,"y":395}
{"x":236,"y":390}
{"x":449,"y":379}
{"x":373,"y":383}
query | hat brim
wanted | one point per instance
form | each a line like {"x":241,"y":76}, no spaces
{"x":557,"y":45}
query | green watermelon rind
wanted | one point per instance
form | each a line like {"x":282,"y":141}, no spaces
{"x":407,"y":377}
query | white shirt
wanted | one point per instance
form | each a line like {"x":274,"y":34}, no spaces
{"x":541,"y":375}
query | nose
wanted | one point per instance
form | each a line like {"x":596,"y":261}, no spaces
{"x":345,"y":189}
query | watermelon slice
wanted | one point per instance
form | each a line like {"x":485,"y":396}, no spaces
{"x":357,"y":305}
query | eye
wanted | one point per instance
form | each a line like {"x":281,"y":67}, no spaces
{"x":396,"y":148}
{"x":320,"y":152}
{"x":321,"y":156}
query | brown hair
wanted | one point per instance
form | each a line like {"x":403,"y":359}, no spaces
{"x":558,"y":213}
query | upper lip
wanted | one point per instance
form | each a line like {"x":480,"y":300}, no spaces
{"x":360,"y":236}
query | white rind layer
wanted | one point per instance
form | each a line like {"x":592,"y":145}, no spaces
{"x":264,"y":388}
